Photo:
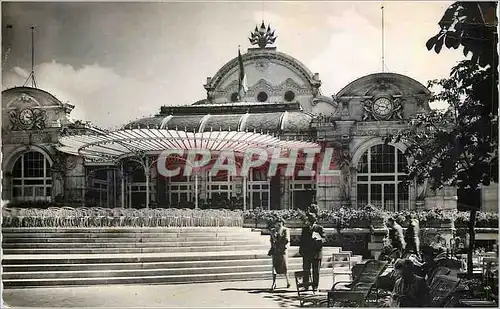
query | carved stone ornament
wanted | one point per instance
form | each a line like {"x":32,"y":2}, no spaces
{"x":262,"y":64}
{"x":71,"y":162}
{"x":264,"y":85}
{"x":382,"y":108}
{"x":27,"y":119}
{"x":262,"y":37}
{"x":345,"y":165}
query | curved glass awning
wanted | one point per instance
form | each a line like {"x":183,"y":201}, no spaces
{"x":126,"y":143}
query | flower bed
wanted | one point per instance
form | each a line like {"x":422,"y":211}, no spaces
{"x":118,"y":217}
{"x":370,"y":216}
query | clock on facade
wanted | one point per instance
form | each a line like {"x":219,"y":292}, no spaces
{"x":26,"y":117}
{"x":382,"y":107}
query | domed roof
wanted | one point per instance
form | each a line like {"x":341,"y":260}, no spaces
{"x":19,"y":96}
{"x":239,"y":117}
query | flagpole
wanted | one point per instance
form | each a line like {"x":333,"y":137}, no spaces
{"x":242,"y":87}
{"x":383,"y":40}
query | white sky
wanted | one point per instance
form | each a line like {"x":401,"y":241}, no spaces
{"x":117,"y":62}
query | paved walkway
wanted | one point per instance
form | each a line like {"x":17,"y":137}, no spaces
{"x":249,"y":294}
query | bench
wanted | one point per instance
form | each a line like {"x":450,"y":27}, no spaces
{"x":359,"y":289}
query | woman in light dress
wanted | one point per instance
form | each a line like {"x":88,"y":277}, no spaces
{"x":280,"y":240}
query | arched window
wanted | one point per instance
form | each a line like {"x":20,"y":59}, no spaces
{"x":381,"y":170}
{"x":31,"y":178}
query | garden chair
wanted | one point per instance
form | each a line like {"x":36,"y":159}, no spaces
{"x":438,"y":272}
{"x":341,"y":264}
{"x":359,"y":289}
{"x":304,"y":292}
{"x":442,"y":289}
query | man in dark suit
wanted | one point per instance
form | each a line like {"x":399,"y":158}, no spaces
{"x":311,"y":248}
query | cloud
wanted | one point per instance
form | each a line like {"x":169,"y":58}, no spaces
{"x":99,"y":94}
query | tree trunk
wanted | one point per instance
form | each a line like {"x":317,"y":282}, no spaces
{"x":472,"y":239}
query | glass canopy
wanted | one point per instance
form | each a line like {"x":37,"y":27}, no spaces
{"x":126,"y":143}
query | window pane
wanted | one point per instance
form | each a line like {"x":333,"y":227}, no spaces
{"x":362,"y":178}
{"x":39,"y":191}
{"x":362,"y":195}
{"x":383,"y":178}
{"x":382,"y":159}
{"x":256,"y":199}
{"x":389,"y":197}
{"x":376,"y":195}
{"x":33,"y":181}
{"x":48,"y":191}
{"x":403,"y":196}
{"x":363,"y":163}
{"x":183,"y":197}
{"x":402,"y":162}
{"x":28,"y":191}
{"x":16,"y":191}
{"x":17,"y":171}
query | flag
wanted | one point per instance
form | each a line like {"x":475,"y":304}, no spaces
{"x":242,"y":82}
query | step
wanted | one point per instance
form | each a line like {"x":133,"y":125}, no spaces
{"x":156,"y":249}
{"x":147,"y":257}
{"x":138,"y":244}
{"x":132,"y":235}
{"x":136,"y":265}
{"x":191,"y":278}
{"x":148,"y":265}
{"x":6,"y":230}
{"x":7,"y":239}
{"x":294,"y":265}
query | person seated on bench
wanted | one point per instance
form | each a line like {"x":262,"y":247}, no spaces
{"x":431,"y":257}
{"x":409,"y":290}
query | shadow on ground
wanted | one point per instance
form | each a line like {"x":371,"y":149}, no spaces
{"x":285,"y":298}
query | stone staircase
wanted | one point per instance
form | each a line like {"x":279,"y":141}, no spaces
{"x":35,"y":257}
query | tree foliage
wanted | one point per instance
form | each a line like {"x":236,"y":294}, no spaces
{"x":459,"y":146}
{"x":471,"y":25}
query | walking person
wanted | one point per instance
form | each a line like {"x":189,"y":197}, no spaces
{"x":411,"y":236}
{"x":311,"y":249}
{"x":280,"y":239}
{"x":396,"y":236}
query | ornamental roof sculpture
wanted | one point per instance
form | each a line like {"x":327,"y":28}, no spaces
{"x":262,"y":36}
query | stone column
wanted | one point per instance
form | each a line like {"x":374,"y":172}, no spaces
{"x":203,"y":182}
{"x":286,"y":200}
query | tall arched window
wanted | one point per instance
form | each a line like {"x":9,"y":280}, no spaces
{"x":31,"y":178}
{"x":381,"y":170}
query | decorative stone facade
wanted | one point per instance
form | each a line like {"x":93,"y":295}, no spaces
{"x":283,"y":98}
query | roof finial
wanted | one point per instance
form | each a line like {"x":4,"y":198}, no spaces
{"x":262,"y":37}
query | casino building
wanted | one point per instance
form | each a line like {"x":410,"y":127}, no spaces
{"x":47,"y":157}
